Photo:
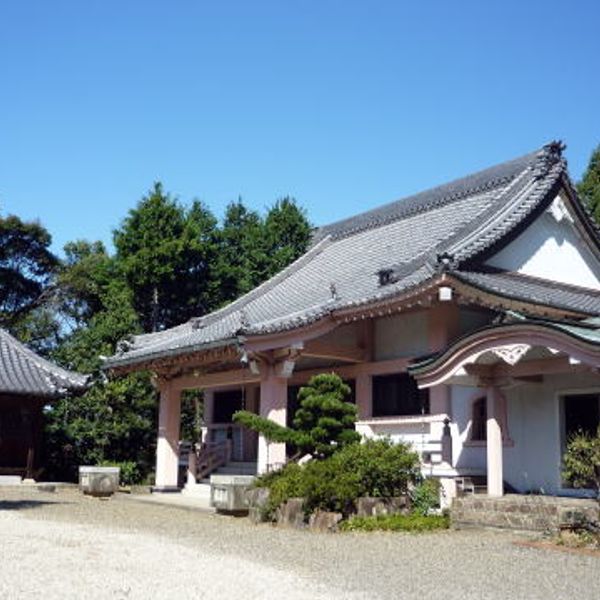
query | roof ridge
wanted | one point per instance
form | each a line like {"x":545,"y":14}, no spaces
{"x":457,"y":189}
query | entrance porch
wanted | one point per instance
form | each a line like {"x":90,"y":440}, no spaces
{"x":519,"y":391}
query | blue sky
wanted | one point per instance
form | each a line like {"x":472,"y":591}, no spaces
{"x":345,"y":105}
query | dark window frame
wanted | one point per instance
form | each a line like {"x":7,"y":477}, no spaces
{"x":479,"y":420}
{"x":397,"y":395}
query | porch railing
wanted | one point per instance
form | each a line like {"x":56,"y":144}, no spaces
{"x":206,"y":458}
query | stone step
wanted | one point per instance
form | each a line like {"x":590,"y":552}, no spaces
{"x":237,"y":468}
{"x":234,"y":471}
{"x":198,"y":490}
{"x":10,"y":480}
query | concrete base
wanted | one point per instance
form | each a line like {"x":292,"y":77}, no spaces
{"x":525,"y":513}
{"x":168,"y":489}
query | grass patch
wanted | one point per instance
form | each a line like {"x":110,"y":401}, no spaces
{"x":413,"y":522}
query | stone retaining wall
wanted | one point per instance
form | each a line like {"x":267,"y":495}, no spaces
{"x":528,"y":513}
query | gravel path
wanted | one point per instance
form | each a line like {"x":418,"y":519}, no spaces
{"x":64,"y":545}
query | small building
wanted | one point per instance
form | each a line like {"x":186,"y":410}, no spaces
{"x":28,"y":382}
{"x":466,"y":319}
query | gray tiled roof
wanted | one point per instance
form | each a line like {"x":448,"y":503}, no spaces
{"x":341,"y":268}
{"x":24,"y":372}
{"x":531,"y":289}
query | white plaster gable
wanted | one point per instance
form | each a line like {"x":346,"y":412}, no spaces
{"x":552,"y":248}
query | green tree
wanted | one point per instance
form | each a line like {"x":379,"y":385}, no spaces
{"x":252,"y":249}
{"x":115,"y":420}
{"x":27,"y":269}
{"x":323,"y":424}
{"x":589,"y":186}
{"x":83,"y":277}
{"x":166,"y":255}
{"x":287,"y":234}
{"x":242,"y":259}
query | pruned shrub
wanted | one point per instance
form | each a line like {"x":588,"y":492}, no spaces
{"x":375,"y":468}
{"x":414,"y":522}
{"x":323,"y":424}
{"x":581,"y":463}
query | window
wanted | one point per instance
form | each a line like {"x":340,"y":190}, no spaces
{"x":581,"y":414}
{"x":479,"y":420}
{"x":225,"y":404}
{"x":397,"y":395}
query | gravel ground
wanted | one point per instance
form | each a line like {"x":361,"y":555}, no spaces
{"x":63,"y":545}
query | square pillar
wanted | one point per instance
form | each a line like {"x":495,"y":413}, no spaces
{"x":273,"y":406}
{"x":495,"y":472}
{"x":167,"y":451}
{"x":208,"y":409}
{"x":444,"y":327}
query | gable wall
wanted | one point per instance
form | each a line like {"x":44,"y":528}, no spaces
{"x":551,"y":249}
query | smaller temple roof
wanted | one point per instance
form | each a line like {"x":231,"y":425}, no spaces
{"x":578,"y":339}
{"x":23,"y":372}
{"x":526,"y":288}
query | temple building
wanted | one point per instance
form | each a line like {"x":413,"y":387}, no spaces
{"x":28,"y":382}
{"x":466,"y":320}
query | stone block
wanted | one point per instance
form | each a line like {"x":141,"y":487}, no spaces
{"x":99,"y":481}
{"x":372,"y":507}
{"x":291,"y":513}
{"x":257,"y":500}
{"x":325,"y":522}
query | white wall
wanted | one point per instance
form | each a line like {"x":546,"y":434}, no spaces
{"x":532,"y":463}
{"x":553,"y":250}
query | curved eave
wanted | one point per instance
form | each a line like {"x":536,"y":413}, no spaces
{"x":73,"y":389}
{"x":437,"y":369}
{"x":125,"y":363}
{"x":420,"y":295}
{"x":495,"y":298}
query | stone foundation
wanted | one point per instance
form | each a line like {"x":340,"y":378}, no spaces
{"x":527,"y":513}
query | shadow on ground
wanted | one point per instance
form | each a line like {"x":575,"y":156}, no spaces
{"x":24,"y":504}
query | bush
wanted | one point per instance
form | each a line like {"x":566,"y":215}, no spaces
{"x":582,"y":461}
{"x":375,"y":468}
{"x":414,"y":522}
{"x":426,"y":496}
{"x":129,"y":473}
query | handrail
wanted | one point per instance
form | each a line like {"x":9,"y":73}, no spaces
{"x":206,"y":458}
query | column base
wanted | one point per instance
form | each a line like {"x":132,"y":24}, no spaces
{"x":164,"y":489}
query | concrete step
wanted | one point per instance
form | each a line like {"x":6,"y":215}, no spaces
{"x":237,"y":468}
{"x":234,"y":471}
{"x":10,"y":480}
{"x":198,"y":490}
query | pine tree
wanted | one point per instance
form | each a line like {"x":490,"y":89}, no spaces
{"x":323,"y":424}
